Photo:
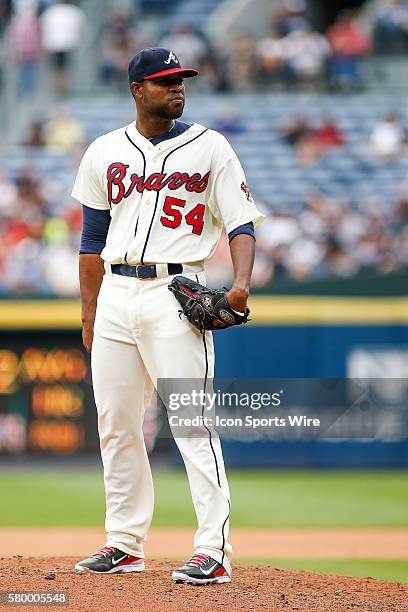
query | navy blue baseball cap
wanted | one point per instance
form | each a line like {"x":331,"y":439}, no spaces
{"x":156,"y":62}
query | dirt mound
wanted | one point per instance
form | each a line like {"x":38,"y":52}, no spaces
{"x":252,"y":588}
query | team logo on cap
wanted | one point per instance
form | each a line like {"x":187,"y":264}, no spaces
{"x":171,"y":58}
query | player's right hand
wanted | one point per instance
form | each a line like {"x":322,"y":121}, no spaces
{"x":87,"y":336}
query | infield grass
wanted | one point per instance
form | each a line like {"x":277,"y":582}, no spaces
{"x":396,"y":571}
{"x":259,"y":498}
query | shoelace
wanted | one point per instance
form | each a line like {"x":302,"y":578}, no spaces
{"x":104,"y":551}
{"x":198,"y":560}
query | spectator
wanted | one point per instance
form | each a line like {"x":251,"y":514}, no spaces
{"x":336,"y":261}
{"x":61,"y":30}
{"x":24,"y":40}
{"x":303,"y":255}
{"x":270,"y":52}
{"x":369,"y":250}
{"x":30,"y":198}
{"x":329,"y":135}
{"x":308,"y":149}
{"x":60,"y":268}
{"x":35,"y":135}
{"x":387,"y":138}
{"x":241,"y":66}
{"x":290,"y":17}
{"x":349,"y":44}
{"x":391,"y":28}
{"x":305,"y":53}
{"x":349,"y":226}
{"x":63,"y":132}
{"x":302,"y":136}
{"x":311,"y":143}
{"x":315,"y":217}
{"x":119,"y":42}
{"x":8,"y":197}
{"x":279,"y":228}
{"x":296,"y":130}
{"x":400,"y":218}
{"x":25,"y":255}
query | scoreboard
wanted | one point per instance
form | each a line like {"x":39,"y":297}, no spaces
{"x":46,"y":397}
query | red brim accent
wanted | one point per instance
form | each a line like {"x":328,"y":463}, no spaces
{"x":183,"y":72}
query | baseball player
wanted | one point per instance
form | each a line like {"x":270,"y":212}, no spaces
{"x":156,"y":195}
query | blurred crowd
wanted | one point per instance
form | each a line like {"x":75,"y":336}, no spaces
{"x":293,"y":54}
{"x":387,"y":140}
{"x":332,"y":238}
{"x":40,"y":30}
{"x":40,"y":224}
{"x":323,"y":237}
{"x":40,"y":237}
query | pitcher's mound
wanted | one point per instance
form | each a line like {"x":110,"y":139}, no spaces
{"x":252,"y":588}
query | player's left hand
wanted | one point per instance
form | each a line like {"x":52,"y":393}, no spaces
{"x":207,"y":308}
{"x":237,"y":298}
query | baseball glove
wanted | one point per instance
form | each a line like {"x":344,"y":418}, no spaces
{"x":203,"y":306}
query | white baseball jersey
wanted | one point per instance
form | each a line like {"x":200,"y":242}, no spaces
{"x":169,"y":202}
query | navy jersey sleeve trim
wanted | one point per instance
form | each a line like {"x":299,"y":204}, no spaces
{"x":95,"y":226}
{"x":247,"y":228}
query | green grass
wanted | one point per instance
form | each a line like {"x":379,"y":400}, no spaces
{"x":259,"y":498}
{"x":396,"y":571}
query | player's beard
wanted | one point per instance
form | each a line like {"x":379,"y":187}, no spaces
{"x":165,"y":112}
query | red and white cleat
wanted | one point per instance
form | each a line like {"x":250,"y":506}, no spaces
{"x":110,"y":560}
{"x":202,"y":569}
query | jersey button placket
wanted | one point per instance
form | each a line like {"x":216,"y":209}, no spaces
{"x":136,"y":247}
{"x":146,"y":202}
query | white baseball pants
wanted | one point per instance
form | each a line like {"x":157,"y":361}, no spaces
{"x":139,"y":338}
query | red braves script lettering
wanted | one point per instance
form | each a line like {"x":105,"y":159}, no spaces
{"x":117,"y":191}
